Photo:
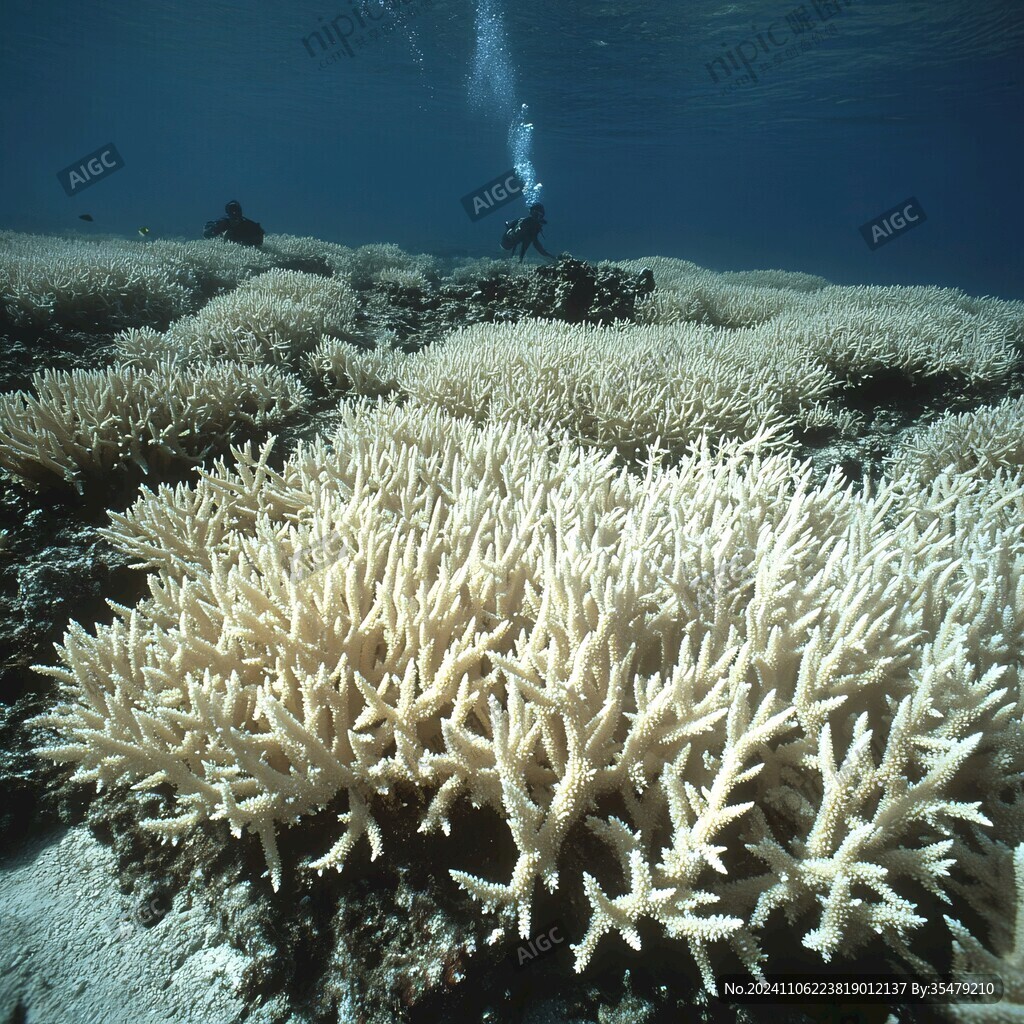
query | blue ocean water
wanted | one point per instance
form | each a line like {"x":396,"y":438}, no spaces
{"x":744,"y":134}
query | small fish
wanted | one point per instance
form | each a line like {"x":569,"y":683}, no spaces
{"x":85,"y":216}
{"x":143,"y":232}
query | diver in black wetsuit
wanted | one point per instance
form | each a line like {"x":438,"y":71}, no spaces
{"x":526,"y":231}
{"x":234,"y":227}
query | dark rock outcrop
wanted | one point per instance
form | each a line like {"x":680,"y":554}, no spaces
{"x":570,"y":290}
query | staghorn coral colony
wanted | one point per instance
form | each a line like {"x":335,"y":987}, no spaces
{"x":704,"y":624}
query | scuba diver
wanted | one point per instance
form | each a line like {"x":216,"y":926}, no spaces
{"x":234,"y":227}
{"x":526,"y":231}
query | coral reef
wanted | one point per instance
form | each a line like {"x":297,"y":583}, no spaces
{"x":502,"y":292}
{"x":623,"y":388}
{"x":485,"y":616}
{"x":92,"y":286}
{"x":1002,"y":870}
{"x":87,"y":424}
{"x":817,"y":368}
{"x":273,"y":318}
{"x":371,"y":373}
{"x":977,"y":443}
{"x":554,"y":611}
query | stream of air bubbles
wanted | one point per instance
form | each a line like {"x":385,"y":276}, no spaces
{"x":492,"y":90}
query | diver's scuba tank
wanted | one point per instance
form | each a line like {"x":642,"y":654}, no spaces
{"x":511,"y":236}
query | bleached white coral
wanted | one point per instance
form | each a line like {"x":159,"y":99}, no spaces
{"x":624,"y":388}
{"x":499,"y":621}
{"x":353,"y":370}
{"x":1002,"y":959}
{"x":146,"y":349}
{"x":83,"y":424}
{"x":403,"y":278}
{"x":274,"y":317}
{"x":338,"y":258}
{"x":921,"y":332}
{"x":979,"y":443}
{"x":467,"y":269}
{"x":110,"y":283}
{"x":793,"y":280}
{"x":707,"y":298}
{"x":215,"y":264}
{"x":855,"y":331}
{"x":668,"y":272}
{"x":369,"y":262}
{"x":90,"y":285}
